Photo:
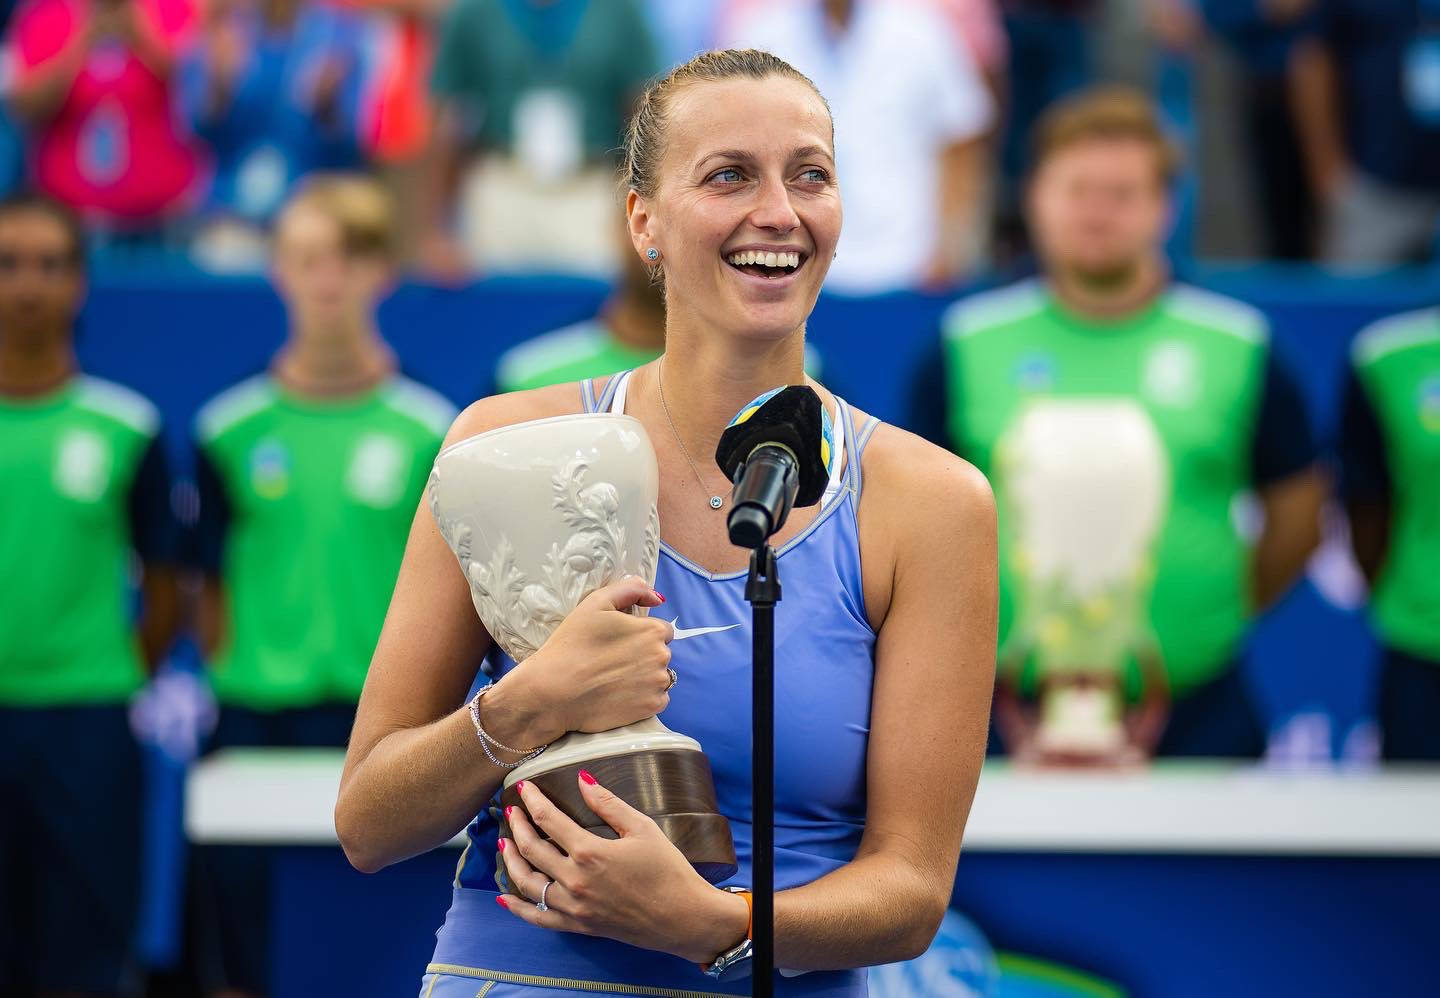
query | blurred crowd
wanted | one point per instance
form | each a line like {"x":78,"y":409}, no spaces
{"x":183,"y":124}
{"x":966,"y":131}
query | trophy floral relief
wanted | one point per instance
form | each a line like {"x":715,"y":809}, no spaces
{"x":519,"y":612}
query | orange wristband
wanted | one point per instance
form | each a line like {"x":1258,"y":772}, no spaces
{"x":749,"y":924}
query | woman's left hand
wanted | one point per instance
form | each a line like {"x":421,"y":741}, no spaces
{"x":637,"y":889}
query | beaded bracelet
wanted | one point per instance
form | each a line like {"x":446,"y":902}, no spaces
{"x":486,"y":739}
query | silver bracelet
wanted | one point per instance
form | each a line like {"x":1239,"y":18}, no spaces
{"x":486,"y":739}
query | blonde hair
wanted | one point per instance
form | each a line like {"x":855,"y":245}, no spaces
{"x":1113,"y":112}
{"x":359,"y":204}
{"x":645,"y":136}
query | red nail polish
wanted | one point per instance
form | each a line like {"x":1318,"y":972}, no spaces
{"x":520,"y":787}
{"x":586,"y":777}
{"x":659,"y":595}
{"x":507,"y":812}
{"x":502,"y":902}
{"x":502,"y":845}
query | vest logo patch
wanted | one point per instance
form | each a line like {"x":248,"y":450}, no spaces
{"x":1035,"y":372}
{"x":378,"y":467}
{"x":1171,"y":376}
{"x":82,"y":465}
{"x":270,"y":469}
{"x":1430,"y":403}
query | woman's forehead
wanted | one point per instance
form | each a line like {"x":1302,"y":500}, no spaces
{"x":765,"y":117}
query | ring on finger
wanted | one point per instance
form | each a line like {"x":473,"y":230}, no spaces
{"x":541,"y":905}
{"x":674,"y":678}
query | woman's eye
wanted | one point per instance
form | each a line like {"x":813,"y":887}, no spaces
{"x":729,"y":175}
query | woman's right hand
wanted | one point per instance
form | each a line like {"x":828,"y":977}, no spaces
{"x":603,"y":667}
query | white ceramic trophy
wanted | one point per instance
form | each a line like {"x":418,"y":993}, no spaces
{"x":541,"y":514}
{"x":1087,"y":483}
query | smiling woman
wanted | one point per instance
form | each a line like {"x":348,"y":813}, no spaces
{"x":883,"y":677}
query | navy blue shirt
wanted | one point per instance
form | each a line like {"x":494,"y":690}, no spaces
{"x":1370,"y":41}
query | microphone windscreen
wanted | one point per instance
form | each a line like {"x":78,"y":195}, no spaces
{"x":791,"y":416}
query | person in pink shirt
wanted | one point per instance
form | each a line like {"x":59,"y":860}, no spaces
{"x":92,"y":82}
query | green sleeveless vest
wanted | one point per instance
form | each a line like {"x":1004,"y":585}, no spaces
{"x":1192,"y":365}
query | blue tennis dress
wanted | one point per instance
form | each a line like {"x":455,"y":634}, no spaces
{"x":824,"y":668}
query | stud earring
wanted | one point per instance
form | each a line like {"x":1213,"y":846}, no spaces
{"x":652,"y":254}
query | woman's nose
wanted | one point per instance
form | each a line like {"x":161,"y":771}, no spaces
{"x":773,"y":209}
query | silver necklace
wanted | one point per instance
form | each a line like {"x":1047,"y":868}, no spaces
{"x":715,"y":501}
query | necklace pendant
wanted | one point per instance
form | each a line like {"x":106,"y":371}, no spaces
{"x":716,"y":502}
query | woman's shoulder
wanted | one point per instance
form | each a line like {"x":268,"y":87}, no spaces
{"x":495,"y":411}
{"x":925,"y":515}
{"x":900,"y":462}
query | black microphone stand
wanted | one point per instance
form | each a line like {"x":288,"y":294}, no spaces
{"x":762,"y":592}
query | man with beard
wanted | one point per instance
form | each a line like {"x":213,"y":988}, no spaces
{"x":1107,"y":326}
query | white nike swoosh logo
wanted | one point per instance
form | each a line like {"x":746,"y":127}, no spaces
{"x":681,"y":633}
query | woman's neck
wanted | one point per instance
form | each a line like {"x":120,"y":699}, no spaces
{"x":334,"y":364}
{"x":32,"y":369}
{"x":706,"y":378}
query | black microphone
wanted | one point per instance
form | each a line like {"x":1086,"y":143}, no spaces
{"x":777,"y":452}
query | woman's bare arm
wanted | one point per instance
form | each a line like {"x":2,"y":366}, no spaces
{"x":415,"y":773}
{"x":934,"y":673}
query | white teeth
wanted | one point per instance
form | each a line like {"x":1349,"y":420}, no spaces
{"x":764,"y":258}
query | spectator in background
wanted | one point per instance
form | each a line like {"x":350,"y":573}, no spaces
{"x":1050,"y":58}
{"x":682,"y":30}
{"x":1390,"y":462}
{"x":273,"y":88}
{"x":308,"y":477}
{"x":395,"y":111}
{"x":1261,"y":33}
{"x":1366,"y":79}
{"x":12,"y":147}
{"x":980,"y":28}
{"x":538,"y":90}
{"x":93,"y":84}
{"x":1107,"y":323}
{"x":85,"y":486}
{"x":910,"y":111}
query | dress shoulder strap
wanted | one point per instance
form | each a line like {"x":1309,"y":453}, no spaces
{"x":606,"y":400}
{"x":858,"y":439}
{"x":587,"y":395}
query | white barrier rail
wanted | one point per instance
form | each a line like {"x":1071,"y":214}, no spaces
{"x":287,"y":796}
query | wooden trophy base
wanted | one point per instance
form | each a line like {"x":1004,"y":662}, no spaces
{"x":675,"y":787}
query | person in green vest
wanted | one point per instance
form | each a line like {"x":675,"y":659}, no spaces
{"x":85,"y":491}
{"x":1390,"y":480}
{"x":628,"y":332}
{"x":1133,"y":428}
{"x":308,"y":476}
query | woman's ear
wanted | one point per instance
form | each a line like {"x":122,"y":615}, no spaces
{"x":640,"y":223}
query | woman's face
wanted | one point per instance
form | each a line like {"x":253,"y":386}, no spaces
{"x":748,"y":168}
